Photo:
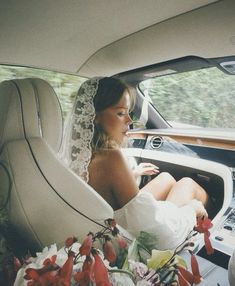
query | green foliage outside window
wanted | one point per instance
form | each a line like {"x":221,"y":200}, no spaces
{"x":204,"y":98}
{"x":65,"y":85}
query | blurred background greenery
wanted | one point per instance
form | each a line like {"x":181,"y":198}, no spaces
{"x":201,"y":98}
{"x":204,"y":98}
{"x":65,"y":85}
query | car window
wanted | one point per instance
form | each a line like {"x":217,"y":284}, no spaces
{"x":65,"y":85}
{"x":200,"y":98}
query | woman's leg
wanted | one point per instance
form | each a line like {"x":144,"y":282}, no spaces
{"x":160,"y":186}
{"x":186,"y":190}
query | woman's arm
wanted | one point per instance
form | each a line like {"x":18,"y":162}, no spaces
{"x":121,"y":179}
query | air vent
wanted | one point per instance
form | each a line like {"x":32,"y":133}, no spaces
{"x":156,"y":142}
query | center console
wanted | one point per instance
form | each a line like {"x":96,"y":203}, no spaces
{"x":223,"y":237}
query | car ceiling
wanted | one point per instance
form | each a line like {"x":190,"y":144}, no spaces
{"x":104,"y":37}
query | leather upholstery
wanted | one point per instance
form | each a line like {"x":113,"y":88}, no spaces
{"x":48,"y":201}
{"x":30,"y":107}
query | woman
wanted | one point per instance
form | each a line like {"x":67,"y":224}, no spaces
{"x":100,"y":122}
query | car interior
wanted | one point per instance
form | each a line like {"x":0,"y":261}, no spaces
{"x":50,"y":186}
{"x":204,"y":154}
{"x":48,"y":48}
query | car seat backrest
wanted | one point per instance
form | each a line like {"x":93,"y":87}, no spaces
{"x":30,"y":108}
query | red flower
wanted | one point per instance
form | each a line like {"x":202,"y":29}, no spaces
{"x":83,"y":278}
{"x":208,"y":246}
{"x":100,"y":272}
{"x":66,"y":270}
{"x":50,"y":273}
{"x":85,"y":248}
{"x":121,"y":241}
{"x":109,"y":252}
{"x":40,"y":277}
{"x":45,"y":275}
{"x":195,"y":269}
{"x":87,"y":275}
{"x":188,"y":276}
{"x":69,"y":241}
{"x":203,"y":226}
{"x":182,"y":281}
{"x":31,"y":274}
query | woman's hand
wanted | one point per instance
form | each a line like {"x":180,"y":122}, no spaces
{"x":199,"y":208}
{"x":145,"y":169}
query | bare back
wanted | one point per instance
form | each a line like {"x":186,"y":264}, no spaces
{"x":112,"y":178}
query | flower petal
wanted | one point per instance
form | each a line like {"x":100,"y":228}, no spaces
{"x":195,"y":269}
{"x":182,"y":281}
{"x":208,"y":246}
{"x":203,"y":224}
{"x":70,"y":240}
{"x":188,"y":276}
{"x":100,"y":272}
{"x":85,"y":248}
{"x":121,"y":241}
{"x":66,"y":270}
{"x":109,"y":252}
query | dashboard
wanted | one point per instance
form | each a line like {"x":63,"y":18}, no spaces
{"x":218,"y":149}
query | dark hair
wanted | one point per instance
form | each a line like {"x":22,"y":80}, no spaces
{"x":110,"y":90}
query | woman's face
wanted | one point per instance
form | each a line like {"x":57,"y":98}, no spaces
{"x":115,"y":120}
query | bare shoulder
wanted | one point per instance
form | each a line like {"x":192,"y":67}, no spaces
{"x":113,"y":154}
{"x":114,"y":159}
{"x":109,"y":160}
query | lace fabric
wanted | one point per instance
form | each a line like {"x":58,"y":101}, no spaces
{"x":79,"y":129}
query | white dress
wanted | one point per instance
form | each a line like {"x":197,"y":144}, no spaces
{"x":170,"y":224}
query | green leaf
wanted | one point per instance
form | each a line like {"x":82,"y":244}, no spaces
{"x":160,"y":257}
{"x":147,"y":240}
{"x":133,"y":254}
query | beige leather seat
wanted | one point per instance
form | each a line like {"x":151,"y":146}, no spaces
{"x":47,"y":202}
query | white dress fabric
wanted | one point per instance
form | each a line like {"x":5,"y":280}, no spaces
{"x":170,"y":224}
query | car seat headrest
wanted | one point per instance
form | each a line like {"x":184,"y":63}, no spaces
{"x":30,"y":108}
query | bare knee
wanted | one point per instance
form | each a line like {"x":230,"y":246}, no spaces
{"x":182,"y":192}
{"x":197,"y":192}
{"x":167,"y":177}
{"x":188,"y":184}
{"x":187,"y":181}
{"x":160,"y":186}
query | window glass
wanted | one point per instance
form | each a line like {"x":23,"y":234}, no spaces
{"x":65,"y":85}
{"x":201,"y":98}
